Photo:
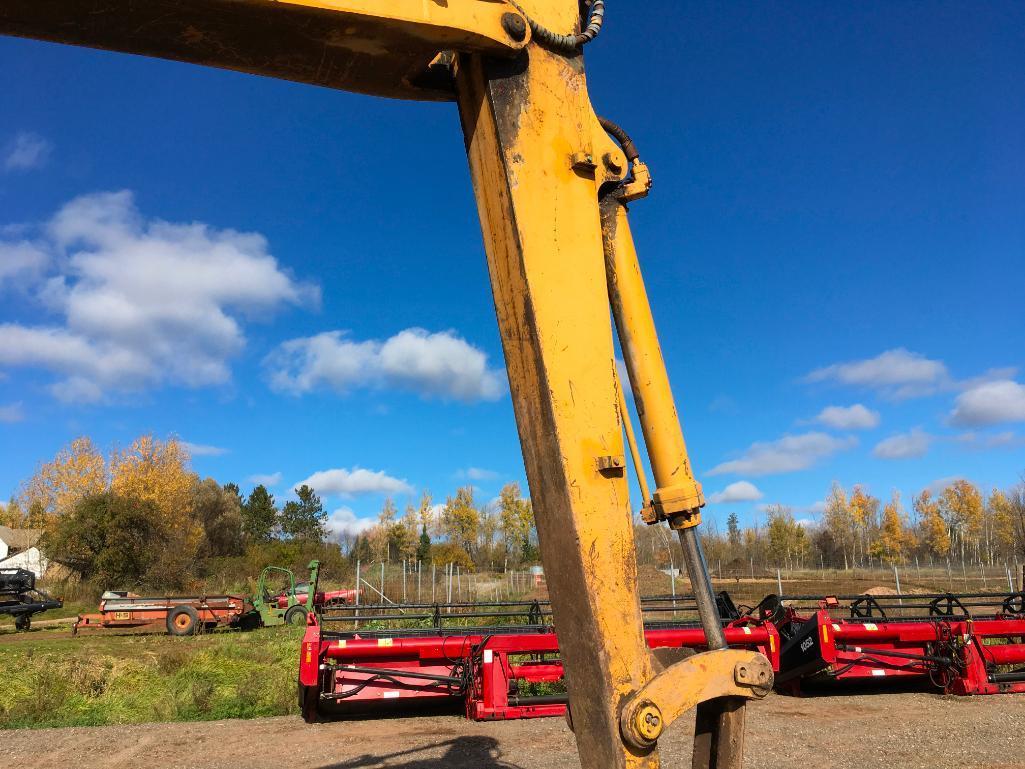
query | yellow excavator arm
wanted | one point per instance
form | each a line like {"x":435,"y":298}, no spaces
{"x":552,"y":183}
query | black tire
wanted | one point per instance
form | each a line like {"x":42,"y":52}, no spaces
{"x":296,"y":615}
{"x":23,"y":622}
{"x":182,"y":621}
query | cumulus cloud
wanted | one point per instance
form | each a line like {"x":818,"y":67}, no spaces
{"x":204,"y":450}
{"x":785,"y":455}
{"x":989,"y":403}
{"x":909,"y":445}
{"x":355,"y":482}
{"x":268,"y":479}
{"x":12,"y":412}
{"x":856,"y":417}
{"x":143,"y":302}
{"x":741,"y":491}
{"x":438,"y":365}
{"x":27,"y":151}
{"x":896,"y":373}
{"x":345,"y":521}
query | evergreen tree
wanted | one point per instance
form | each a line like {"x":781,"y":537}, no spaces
{"x":232,"y":488}
{"x":305,"y":518}
{"x":733,"y":531}
{"x":259,"y":515}
{"x":423,"y":549}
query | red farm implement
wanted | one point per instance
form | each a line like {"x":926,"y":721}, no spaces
{"x":493,"y":672}
{"x":958,"y":644}
{"x":461,"y":657}
{"x":179,"y":615}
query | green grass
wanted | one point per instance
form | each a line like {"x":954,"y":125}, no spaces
{"x":110,"y":679}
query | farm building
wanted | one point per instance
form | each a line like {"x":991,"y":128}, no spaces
{"x":18,"y":549}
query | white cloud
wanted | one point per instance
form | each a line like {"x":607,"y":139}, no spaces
{"x":27,"y":151}
{"x":144,"y":302}
{"x":203,"y":450}
{"x":937,"y":487}
{"x":345,"y":521}
{"x":21,"y":261}
{"x":269,"y":479}
{"x":909,"y":445}
{"x":478,"y":474}
{"x":856,"y":417}
{"x":786,"y":455}
{"x":355,"y":482}
{"x":815,"y":508}
{"x":981,"y":441}
{"x":741,"y":491}
{"x":990,"y":403}
{"x":896,"y":373}
{"x":12,"y":412}
{"x":431,"y":364}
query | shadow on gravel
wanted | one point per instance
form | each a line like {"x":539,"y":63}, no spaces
{"x":460,"y":753}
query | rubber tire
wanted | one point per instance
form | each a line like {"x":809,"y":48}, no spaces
{"x":296,"y":615}
{"x":178,"y":611}
{"x":23,"y":622}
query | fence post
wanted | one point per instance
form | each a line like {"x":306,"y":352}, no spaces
{"x":964,"y":571}
{"x":356,"y":616}
{"x":1010,"y":581}
{"x":779,"y":583}
{"x":403,"y":580}
{"x":419,"y":568}
{"x":434,"y":582}
{"x":896,"y":578}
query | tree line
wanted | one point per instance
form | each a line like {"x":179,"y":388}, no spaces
{"x":959,"y":523}
{"x":500,"y":533}
{"x":139,"y":517}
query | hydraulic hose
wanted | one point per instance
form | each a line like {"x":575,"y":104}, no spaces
{"x":567,"y":43}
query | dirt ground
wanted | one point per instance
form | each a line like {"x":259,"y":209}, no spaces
{"x":880,"y":730}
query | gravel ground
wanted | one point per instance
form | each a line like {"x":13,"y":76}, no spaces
{"x":880,"y":730}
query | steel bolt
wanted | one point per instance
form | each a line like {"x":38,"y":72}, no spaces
{"x":648,"y":721}
{"x":612,"y":163}
{"x":514,"y":26}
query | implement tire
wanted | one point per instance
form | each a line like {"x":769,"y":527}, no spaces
{"x":296,"y":615}
{"x":182,"y":621}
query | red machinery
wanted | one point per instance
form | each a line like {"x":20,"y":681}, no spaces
{"x":481,"y":670}
{"x":958,"y":644}
{"x":321,"y":598}
{"x":180,"y":615}
{"x":964,"y":644}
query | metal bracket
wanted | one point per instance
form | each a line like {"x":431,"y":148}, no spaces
{"x":680,"y":687}
{"x":611,"y":465}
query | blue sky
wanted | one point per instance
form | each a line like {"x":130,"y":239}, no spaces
{"x":292,"y":279}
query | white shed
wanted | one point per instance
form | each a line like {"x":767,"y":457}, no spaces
{"x":18,"y":549}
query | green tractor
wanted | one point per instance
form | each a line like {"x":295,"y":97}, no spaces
{"x":292,"y":602}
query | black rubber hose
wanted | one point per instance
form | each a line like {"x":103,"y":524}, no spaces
{"x":568,"y":43}
{"x":621,"y":136}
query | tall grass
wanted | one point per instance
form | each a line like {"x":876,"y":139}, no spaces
{"x":163,"y":679}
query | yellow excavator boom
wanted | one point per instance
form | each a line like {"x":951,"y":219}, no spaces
{"x":552,"y":183}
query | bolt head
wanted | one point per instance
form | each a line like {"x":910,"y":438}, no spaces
{"x":514,"y":26}
{"x":612,"y":163}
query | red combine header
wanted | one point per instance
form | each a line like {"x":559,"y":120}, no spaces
{"x":501,"y":661}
